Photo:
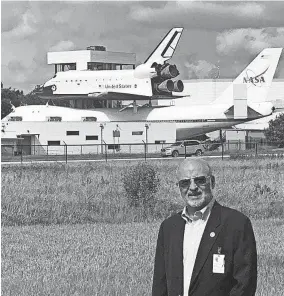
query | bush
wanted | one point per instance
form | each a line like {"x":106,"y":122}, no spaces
{"x":275,"y":131}
{"x":141,"y":183}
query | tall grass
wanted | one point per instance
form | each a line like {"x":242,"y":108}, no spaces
{"x":117,"y":259}
{"x":93,"y":192}
{"x":109,"y":259}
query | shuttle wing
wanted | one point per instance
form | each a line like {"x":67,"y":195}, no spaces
{"x":127,"y":96}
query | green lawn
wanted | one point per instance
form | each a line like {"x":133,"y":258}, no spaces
{"x":109,"y":259}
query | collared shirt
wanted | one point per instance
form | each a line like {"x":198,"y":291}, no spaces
{"x":193,"y":232}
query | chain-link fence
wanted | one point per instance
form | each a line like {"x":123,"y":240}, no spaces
{"x":107,"y":151}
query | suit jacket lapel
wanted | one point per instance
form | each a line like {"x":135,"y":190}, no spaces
{"x":209,"y":236}
{"x":177,"y":239}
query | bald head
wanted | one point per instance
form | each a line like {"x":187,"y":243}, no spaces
{"x":191,"y":168}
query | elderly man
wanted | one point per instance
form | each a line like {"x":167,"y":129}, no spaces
{"x":207,"y":249}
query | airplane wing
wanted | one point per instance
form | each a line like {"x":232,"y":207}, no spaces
{"x":127,"y":96}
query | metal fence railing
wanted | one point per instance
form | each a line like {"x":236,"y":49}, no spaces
{"x":106,"y":151}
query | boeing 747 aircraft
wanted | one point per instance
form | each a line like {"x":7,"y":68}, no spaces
{"x":151,"y":80}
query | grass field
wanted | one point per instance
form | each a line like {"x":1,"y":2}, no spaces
{"x":109,"y":259}
{"x":74,"y":233}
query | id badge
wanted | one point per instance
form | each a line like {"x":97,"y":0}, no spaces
{"x":218,"y":263}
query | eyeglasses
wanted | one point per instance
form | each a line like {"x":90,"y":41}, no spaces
{"x":199,"y":181}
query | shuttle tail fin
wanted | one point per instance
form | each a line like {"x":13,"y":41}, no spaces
{"x":166,"y":48}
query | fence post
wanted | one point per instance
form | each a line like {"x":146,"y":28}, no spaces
{"x":105,"y":150}
{"x":184,"y":151}
{"x":65,"y":151}
{"x":255,"y":148}
{"x":21,"y":154}
{"x":145,"y":152}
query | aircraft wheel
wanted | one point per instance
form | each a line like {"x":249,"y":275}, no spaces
{"x":175,"y":153}
{"x":198,"y":152}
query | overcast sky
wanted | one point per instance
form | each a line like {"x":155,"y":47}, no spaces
{"x":227,"y":34}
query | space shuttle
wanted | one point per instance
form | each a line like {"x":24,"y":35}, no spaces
{"x":154,"y":79}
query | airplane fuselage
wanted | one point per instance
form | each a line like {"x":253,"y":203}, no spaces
{"x":90,"y":83}
{"x":189,"y":121}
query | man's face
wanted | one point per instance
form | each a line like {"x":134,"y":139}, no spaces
{"x":195,"y":183}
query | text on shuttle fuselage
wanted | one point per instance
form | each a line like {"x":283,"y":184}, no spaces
{"x":118,"y":85}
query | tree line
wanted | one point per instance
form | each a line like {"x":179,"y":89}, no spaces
{"x":11,"y":97}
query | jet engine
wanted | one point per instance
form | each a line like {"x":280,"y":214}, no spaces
{"x":165,"y":86}
{"x":178,"y":86}
{"x":170,"y":71}
{"x":144,"y":71}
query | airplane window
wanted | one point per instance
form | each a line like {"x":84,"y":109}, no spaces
{"x":90,"y":118}
{"x":15,"y":118}
{"x":54,"y":118}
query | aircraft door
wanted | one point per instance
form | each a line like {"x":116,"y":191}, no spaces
{"x":26,"y":143}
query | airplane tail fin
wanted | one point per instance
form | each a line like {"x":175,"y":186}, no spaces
{"x":166,"y":48}
{"x":253,"y":84}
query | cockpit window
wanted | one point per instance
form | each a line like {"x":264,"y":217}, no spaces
{"x":54,"y":118}
{"x":15,"y":118}
{"x":89,"y":118}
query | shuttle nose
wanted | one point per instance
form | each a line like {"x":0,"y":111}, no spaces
{"x":44,"y":91}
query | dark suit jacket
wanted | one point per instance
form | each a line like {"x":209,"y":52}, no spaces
{"x":233,"y":233}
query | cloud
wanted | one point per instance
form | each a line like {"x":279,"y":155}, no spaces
{"x":249,"y":40}
{"x":216,"y":16}
{"x":11,"y":15}
{"x":63,"y":46}
{"x":24,"y":26}
{"x":201,"y":69}
{"x":16,"y":66}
